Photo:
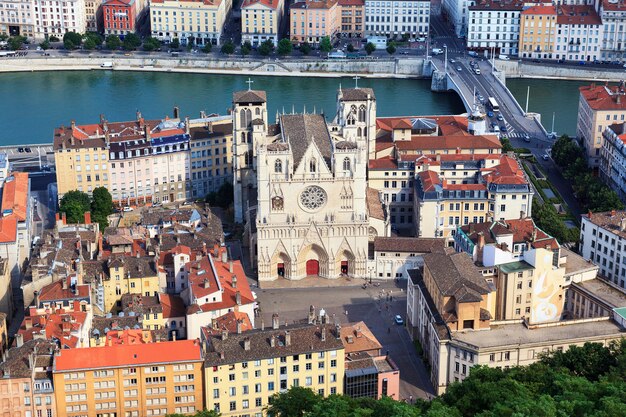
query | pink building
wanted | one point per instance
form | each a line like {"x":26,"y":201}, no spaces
{"x":311,"y":20}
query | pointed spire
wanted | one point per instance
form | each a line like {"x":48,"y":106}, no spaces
{"x":340,"y":87}
{"x":283,"y":109}
{"x":277,"y":116}
{"x":314,"y":109}
{"x":293,"y":109}
{"x":304,"y":111}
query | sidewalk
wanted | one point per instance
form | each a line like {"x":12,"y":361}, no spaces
{"x":311,"y":282}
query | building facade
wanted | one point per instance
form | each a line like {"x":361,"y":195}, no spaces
{"x":312,"y":20}
{"x":495,"y":26}
{"x":613,"y":162}
{"x":456,"y":12}
{"x":93,"y":16}
{"x":352,"y":18}
{"x":395,"y":18}
{"x":578,"y":33}
{"x":119,"y":17}
{"x":199,"y":20}
{"x":58,"y":17}
{"x":599,"y":106}
{"x":17,"y":17}
{"x":130,"y":380}
{"x":261,"y":21}
{"x":538,"y":32}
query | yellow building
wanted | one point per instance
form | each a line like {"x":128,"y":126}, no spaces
{"x":260,"y":20}
{"x":129,"y":380}
{"x":202,"y":20}
{"x":93,"y":15}
{"x":311,"y":20}
{"x":242,"y":371}
{"x":134,"y":275}
{"x":81,"y":164}
{"x":211,"y":153}
{"x":538,"y":32}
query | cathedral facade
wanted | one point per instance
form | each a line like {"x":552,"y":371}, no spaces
{"x":301,"y":184}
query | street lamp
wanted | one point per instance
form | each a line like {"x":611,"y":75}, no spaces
{"x":445,"y":59}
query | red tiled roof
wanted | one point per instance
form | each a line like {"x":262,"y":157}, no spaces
{"x":507,"y":172}
{"x":540,"y":10}
{"x":386,"y":162}
{"x":429,"y":180}
{"x":228,"y":321}
{"x":8,"y":229}
{"x":272,"y":4}
{"x":59,"y":325}
{"x":313,"y":4}
{"x":604,"y":97}
{"x":611,"y":5}
{"x":352,"y":2}
{"x":433,"y":143}
{"x":128,"y":355}
{"x":55,"y":291}
{"x":173,"y":305}
{"x":523,"y":230}
{"x":577,"y":15}
{"x":15,"y":195}
{"x":128,"y":337}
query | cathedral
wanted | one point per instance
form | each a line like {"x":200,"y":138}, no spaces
{"x":301,"y":186}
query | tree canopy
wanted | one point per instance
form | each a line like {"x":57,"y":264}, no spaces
{"x":113,"y":42}
{"x":284,"y":47}
{"x":74,"y":204}
{"x":101,"y":206}
{"x":224,"y":197}
{"x":305,"y":48}
{"x":369,"y":48}
{"x":72,"y":40}
{"x":266,"y":47}
{"x":151,"y":44}
{"x":325,"y":45}
{"x":228,"y":48}
{"x":131,"y":42}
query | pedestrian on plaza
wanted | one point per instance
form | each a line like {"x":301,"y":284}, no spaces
{"x":388,"y":330}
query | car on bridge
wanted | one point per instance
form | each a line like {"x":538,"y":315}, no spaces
{"x":500,"y":118}
{"x":490,"y":114}
{"x":526,"y":137}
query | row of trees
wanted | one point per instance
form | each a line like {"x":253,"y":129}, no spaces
{"x":76,"y":203}
{"x":592,"y":193}
{"x":583,"y":381}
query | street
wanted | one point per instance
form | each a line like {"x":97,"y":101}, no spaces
{"x":368,"y":305}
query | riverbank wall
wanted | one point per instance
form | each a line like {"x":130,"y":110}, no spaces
{"x":383,"y":68}
{"x":554,"y":71}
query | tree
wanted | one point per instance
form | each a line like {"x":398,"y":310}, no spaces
{"x":391,"y":48}
{"x":72,"y":40}
{"x":369,"y":48}
{"x":228,"y":48}
{"x":96,"y":38}
{"x":175,"y":44}
{"x":350,"y":48}
{"x":305,"y":48}
{"x":101,"y":206}
{"x":54,"y":38}
{"x":284,"y":47}
{"x":151,"y":44}
{"x":75,"y":204}
{"x":16,"y":42}
{"x":325,"y":45}
{"x":191,"y":41}
{"x":207,"y":48}
{"x":266,"y":47}
{"x":113,"y":42}
{"x":506,"y":145}
{"x":131,"y":42}
{"x":3,"y":36}
{"x":89,"y":44}
{"x":296,"y":402}
{"x":246,"y":48}
{"x":223,"y":197}
{"x":45,"y":45}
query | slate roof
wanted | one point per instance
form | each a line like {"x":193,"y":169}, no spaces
{"x":249,"y":96}
{"x":408,"y":244}
{"x":17,"y":363}
{"x":101,"y":325}
{"x":304,"y":339}
{"x":456,"y":276}
{"x":374,"y":205}
{"x":357,"y":94}
{"x":300,"y":129}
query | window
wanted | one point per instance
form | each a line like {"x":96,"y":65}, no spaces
{"x":313,"y":165}
{"x":346,"y":164}
{"x":278,"y":166}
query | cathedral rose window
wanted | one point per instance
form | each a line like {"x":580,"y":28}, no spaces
{"x":313,"y":197}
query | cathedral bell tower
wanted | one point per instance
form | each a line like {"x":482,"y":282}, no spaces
{"x":356,"y":115}
{"x":249,"y":113}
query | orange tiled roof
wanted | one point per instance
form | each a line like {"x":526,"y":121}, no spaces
{"x":173,"y":305}
{"x":8,"y":229}
{"x":55,"y":291}
{"x":352,"y":3}
{"x":59,"y":325}
{"x":577,"y":15}
{"x":430,"y":143}
{"x":540,"y":10}
{"x":604,"y":97}
{"x":386,"y":162}
{"x":362,"y":338}
{"x":128,"y":355}
{"x":228,"y":321}
{"x":15,"y":195}
{"x":128,"y":337}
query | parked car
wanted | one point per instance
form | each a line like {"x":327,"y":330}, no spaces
{"x":127,"y":209}
{"x":545,"y":157}
{"x":20,"y":150}
{"x":399,"y":320}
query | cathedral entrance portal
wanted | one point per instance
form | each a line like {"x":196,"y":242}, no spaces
{"x":281,"y":265}
{"x":312,"y":267}
{"x":281,"y":270}
{"x":344,"y":267}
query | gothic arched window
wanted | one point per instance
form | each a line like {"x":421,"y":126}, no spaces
{"x":359,"y":132}
{"x":278,"y":166}
{"x":346,"y":164}
{"x":313,"y":165}
{"x":248,"y":117}
{"x":257,"y":111}
{"x":362,"y":113}
{"x":243,"y":137}
{"x":242,"y":118}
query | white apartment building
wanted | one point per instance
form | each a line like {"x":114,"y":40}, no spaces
{"x":201,"y":19}
{"x":17,"y":17}
{"x":578,"y":33}
{"x":54,"y":17}
{"x":457,"y":12}
{"x":613,"y":162}
{"x":613,"y":45}
{"x":495,"y":25}
{"x":393,"y":17}
{"x":603,"y":242}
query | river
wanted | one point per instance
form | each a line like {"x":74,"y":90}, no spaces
{"x":33,"y":104}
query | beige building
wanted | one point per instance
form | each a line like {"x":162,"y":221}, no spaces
{"x":149,"y":379}
{"x":261,"y":20}
{"x":599,"y":107}
{"x":6,"y":290}
{"x":93,"y":15}
{"x":393,"y":257}
{"x":538,"y":32}
{"x":352,"y":18}
{"x":129,"y":275}
{"x":312,"y":20}
{"x":243,"y":370}
{"x":17,"y":17}
{"x":202,"y":20}
{"x":211,"y":143}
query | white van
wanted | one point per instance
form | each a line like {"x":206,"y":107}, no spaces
{"x":106,"y":65}
{"x":504,"y":57}
{"x":437,"y":51}
{"x":472,"y":54}
{"x":477,"y":71}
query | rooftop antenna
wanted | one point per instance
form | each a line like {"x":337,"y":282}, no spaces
{"x":356,"y":79}
{"x":249,"y":82}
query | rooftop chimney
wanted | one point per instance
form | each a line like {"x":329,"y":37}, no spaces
{"x":622,"y":224}
{"x":224,"y":333}
{"x":224,"y":256}
{"x":272,"y":341}
{"x":246,"y":343}
{"x":64,"y":283}
{"x":357,"y":332}
{"x":275,"y":323}
{"x":238,"y":298}
{"x":176,"y":112}
{"x":19,"y":339}
{"x":234,"y":283}
{"x":230,"y":266}
{"x":287,"y":338}
{"x":311,"y":314}
{"x":262,"y":324}
{"x":337,"y":331}
{"x":239,"y":324}
{"x":28,"y":322}
{"x":214,"y":324}
{"x":323,"y":333}
{"x":36,"y":294}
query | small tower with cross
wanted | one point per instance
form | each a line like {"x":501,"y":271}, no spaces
{"x":356,"y":114}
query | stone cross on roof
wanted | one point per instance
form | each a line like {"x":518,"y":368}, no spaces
{"x":249,"y":82}
{"x":356,"y":79}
